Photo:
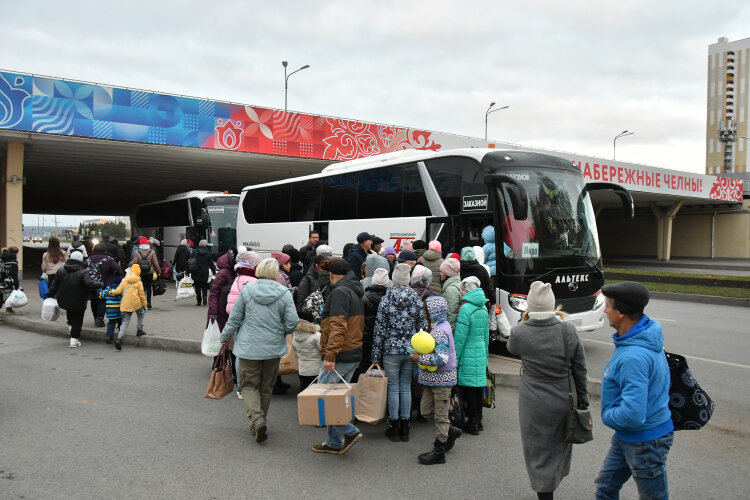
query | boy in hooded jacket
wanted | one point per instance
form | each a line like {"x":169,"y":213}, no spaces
{"x":133,"y":301}
{"x":112,"y":307}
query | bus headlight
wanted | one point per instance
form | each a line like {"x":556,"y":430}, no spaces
{"x":518,"y":302}
{"x":599,"y":302}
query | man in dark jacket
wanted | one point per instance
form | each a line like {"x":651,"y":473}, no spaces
{"x":307,"y":252}
{"x":370,"y":302}
{"x":71,"y":287}
{"x":181,"y":257}
{"x":203,"y":262}
{"x":341,"y":346}
{"x":358,"y":254}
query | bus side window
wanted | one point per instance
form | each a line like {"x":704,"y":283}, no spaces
{"x":277,"y":203}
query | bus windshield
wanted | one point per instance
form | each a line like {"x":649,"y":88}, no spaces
{"x":222,"y":211}
{"x":559,"y":228}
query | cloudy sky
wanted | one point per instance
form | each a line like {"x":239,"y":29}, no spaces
{"x":574,"y":73}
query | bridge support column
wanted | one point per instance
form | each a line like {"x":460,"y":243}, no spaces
{"x":11,"y":200}
{"x":664,"y":220}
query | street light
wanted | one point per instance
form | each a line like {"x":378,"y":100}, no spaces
{"x":614,"y":142}
{"x":488,"y":114}
{"x":286,"y":79}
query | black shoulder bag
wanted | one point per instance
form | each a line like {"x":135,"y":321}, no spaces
{"x":578,"y":423}
{"x":690,"y":405}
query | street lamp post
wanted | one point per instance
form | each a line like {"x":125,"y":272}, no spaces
{"x":488,"y":114}
{"x":286,"y":79}
{"x":614,"y":142}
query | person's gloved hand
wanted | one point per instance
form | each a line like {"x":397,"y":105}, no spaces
{"x":213,"y":317}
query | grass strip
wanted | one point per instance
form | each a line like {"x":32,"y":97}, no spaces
{"x":719,"y":291}
{"x":675,"y":275}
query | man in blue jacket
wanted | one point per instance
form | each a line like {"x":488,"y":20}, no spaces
{"x":635,"y":398}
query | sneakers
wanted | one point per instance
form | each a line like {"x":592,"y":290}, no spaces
{"x":74,"y":343}
{"x":108,"y":340}
{"x":349,"y":441}
{"x":324,"y":448}
{"x":260,"y":433}
{"x":118,"y":345}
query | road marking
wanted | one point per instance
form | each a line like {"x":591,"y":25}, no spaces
{"x":696,"y":358}
{"x":667,"y":320}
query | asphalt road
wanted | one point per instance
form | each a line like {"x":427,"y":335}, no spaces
{"x":96,"y":423}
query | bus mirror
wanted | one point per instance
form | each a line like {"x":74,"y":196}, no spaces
{"x":519,"y":200}
{"x":203,"y":221}
{"x":625,"y":197}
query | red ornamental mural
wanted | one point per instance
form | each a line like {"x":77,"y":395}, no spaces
{"x":261,"y":130}
{"x":726,"y":188}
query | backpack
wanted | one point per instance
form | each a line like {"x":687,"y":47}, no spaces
{"x":94,"y":270}
{"x":314,"y":306}
{"x":145,"y":262}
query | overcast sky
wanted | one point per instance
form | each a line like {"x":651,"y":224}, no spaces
{"x":574,"y":74}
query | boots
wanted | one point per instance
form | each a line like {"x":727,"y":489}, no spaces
{"x":403,"y":431}
{"x":98,"y":322}
{"x":436,"y":456}
{"x":471,"y":427}
{"x":453,"y":434}
{"x":392,"y":430}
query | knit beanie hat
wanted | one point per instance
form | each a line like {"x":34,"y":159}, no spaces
{"x":437,"y":307}
{"x":419,"y":245}
{"x":203,"y":243}
{"x":183,"y":242}
{"x":251,"y":258}
{"x":454,"y":255}
{"x":142,"y":241}
{"x":451,"y":267}
{"x":421,"y":277}
{"x":339,"y":267}
{"x":436,"y":245}
{"x":470,"y":283}
{"x":401,"y":275}
{"x":541,"y":298}
{"x":135,"y":269}
{"x":380,"y":277}
{"x":390,"y":251}
{"x":324,"y":250}
{"x":280,"y":257}
{"x":76,"y":255}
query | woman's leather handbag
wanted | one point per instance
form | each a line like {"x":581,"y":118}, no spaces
{"x":221,"y":382}
{"x":690,"y":405}
{"x":578,"y":423}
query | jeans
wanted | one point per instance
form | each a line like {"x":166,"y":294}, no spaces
{"x":646,"y":462}
{"x":335,"y":432}
{"x":111,"y":325}
{"x":398,"y":368}
{"x":126,"y":321}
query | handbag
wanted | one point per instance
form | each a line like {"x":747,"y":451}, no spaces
{"x":488,"y":391}
{"x":158,"y":288}
{"x":690,"y":405}
{"x":456,"y":413}
{"x":221,"y":382}
{"x":578,"y":423}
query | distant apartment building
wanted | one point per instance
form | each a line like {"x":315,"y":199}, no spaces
{"x":728,"y":113}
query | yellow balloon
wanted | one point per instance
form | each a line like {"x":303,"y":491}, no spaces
{"x":428,"y":368}
{"x":423,"y":342}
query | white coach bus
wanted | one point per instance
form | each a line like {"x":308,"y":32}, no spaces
{"x":545,"y":228}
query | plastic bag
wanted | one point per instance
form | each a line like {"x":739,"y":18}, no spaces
{"x":43,"y":288}
{"x":503,"y":325}
{"x":211,"y":344}
{"x":50,"y":310}
{"x":16,"y":299}
{"x":185,"y":288}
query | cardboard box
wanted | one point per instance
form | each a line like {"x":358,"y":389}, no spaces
{"x":325,"y":404}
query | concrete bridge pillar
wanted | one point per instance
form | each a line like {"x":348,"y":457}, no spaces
{"x":664,"y":220}
{"x":11,"y":199}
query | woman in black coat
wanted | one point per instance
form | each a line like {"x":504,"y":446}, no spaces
{"x":470,"y":266}
{"x":370,"y":302}
{"x":199,"y":273}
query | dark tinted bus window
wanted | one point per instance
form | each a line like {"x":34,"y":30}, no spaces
{"x":379,"y":193}
{"x":414,"y":200}
{"x":306,"y":200}
{"x":254,"y":206}
{"x":277,"y":203}
{"x":447,"y":175}
{"x":339,"y":197}
{"x":168,"y":213}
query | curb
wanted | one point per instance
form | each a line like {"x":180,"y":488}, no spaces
{"x":702,"y":299}
{"x":512,"y":378}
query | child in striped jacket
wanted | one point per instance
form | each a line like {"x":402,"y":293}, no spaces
{"x":112,"y":307}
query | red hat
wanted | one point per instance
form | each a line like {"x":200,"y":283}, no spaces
{"x":281,"y":258}
{"x":455,"y":256}
{"x":143,"y":241}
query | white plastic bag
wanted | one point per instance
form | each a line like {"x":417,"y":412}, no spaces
{"x":211,"y":344}
{"x":503,"y":325}
{"x":16,"y":299}
{"x":50,"y":309}
{"x":185,"y":288}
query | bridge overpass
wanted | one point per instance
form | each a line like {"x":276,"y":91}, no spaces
{"x":74,"y":147}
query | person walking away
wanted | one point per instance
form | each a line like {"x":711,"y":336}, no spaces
{"x":245,"y":269}
{"x":53,"y":259}
{"x":372,"y":263}
{"x":470,"y":266}
{"x":341,"y":346}
{"x":9,"y":259}
{"x":224,"y":277}
{"x":437,"y":375}
{"x":203,"y":262}
{"x":71,"y":287}
{"x":113,"y":249}
{"x":180,"y":260}
{"x":490,"y":256}
{"x":145,"y":257}
{"x":421,"y":279}
{"x":419,"y":247}
{"x":133,"y":301}
{"x":306,"y":342}
{"x":112,"y":306}
{"x":309,"y":283}
{"x":635,"y":397}
{"x":259,"y":322}
{"x":77,"y":244}
{"x":400,"y":315}
{"x":295,"y":268}
{"x":358,"y":254}
{"x":307,"y":252}
{"x":449,"y":271}
{"x":374,"y":293}
{"x":432,"y":259}
{"x":472,"y":339}
{"x":102,"y":267}
{"x":543,"y":395}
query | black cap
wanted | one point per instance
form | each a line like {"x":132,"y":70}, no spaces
{"x":376,"y":240}
{"x":419,"y":245}
{"x":362,"y":237}
{"x":339,"y":267}
{"x":407,"y":255}
{"x":630,"y":297}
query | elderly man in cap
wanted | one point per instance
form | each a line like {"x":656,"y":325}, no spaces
{"x":377,"y":244}
{"x":358,"y":254}
{"x":341,"y":346}
{"x":635,"y":397}
{"x":407,"y":257}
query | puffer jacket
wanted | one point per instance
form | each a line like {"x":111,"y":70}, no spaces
{"x":134,"y":298}
{"x":490,"y":257}
{"x":432,"y":259}
{"x":245,"y":274}
{"x":202,"y":256}
{"x":343,"y":321}
{"x":480,"y":258}
{"x":306,"y":342}
{"x":149,"y":254}
{"x":71,"y":286}
{"x":472,"y":340}
{"x":400,"y":315}
{"x":50,"y":267}
{"x":181,"y":256}
{"x":470,"y":266}
{"x":225,"y":276}
{"x":373,"y":262}
{"x":260,"y":320}
{"x":371,"y":301}
{"x":107,"y":266}
{"x":307,"y":286}
{"x":452,"y":293}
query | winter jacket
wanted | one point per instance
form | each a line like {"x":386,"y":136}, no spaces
{"x":371,"y":301}
{"x":77,"y":246}
{"x":373,"y":262}
{"x":444,"y":357}
{"x":10,"y":268}
{"x":134,"y":298}
{"x":452,"y":293}
{"x":480,"y":258}
{"x":356,"y":259}
{"x":306,"y":254}
{"x":260,"y":320}
{"x":181,"y":256}
{"x":112,"y":302}
{"x":432,"y":259}
{"x":72,"y":285}
{"x":635,"y":385}
{"x":490,"y":256}
{"x":149,"y":254}
{"x":295,"y":274}
{"x":472,"y":340}
{"x":114,"y":251}
{"x":400,"y":315}
{"x":204,"y":262}
{"x":306,"y":342}
{"x":101,"y":264}
{"x":307,"y":285}
{"x":283,"y":279}
{"x":225,"y":276}
{"x":244,"y":275}
{"x":470,"y":266}
{"x":50,"y":267}
{"x":343,"y":321}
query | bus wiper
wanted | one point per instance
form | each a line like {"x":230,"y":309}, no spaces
{"x":592,"y":265}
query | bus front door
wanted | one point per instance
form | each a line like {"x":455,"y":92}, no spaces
{"x":471,"y":229}
{"x":443,"y":230}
